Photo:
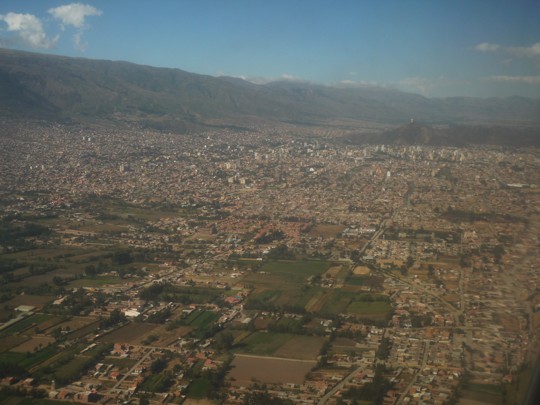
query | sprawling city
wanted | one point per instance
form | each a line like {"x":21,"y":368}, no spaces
{"x":266,"y":264}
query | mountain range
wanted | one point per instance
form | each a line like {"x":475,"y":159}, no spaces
{"x":40,"y":86}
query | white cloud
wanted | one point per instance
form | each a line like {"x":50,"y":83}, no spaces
{"x":359,"y":83}
{"x":532,"y":51}
{"x":74,"y":14}
{"x":29,"y":29}
{"x":487,"y":47}
{"x":516,"y":79}
{"x":78,"y":43}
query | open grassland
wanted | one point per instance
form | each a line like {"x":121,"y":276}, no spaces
{"x":246,"y":370}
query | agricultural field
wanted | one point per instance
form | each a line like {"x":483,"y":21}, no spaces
{"x":281,"y":345}
{"x":33,"y":344}
{"x":367,"y":309}
{"x":287,"y":272}
{"x":33,"y":321}
{"x":246,"y":370}
{"x":132,"y":333}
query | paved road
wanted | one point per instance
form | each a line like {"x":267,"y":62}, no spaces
{"x":413,"y":381}
{"x":339,"y":386}
{"x":115,"y":388}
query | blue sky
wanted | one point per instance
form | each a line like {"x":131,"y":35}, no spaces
{"x":436,"y":48}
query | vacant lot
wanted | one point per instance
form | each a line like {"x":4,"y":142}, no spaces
{"x":246,"y":370}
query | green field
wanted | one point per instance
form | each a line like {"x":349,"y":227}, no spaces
{"x":295,"y":272}
{"x":199,"y":388}
{"x":96,"y":281}
{"x":72,"y":369}
{"x":284,"y":345}
{"x":368,"y":308}
{"x":490,"y":394}
{"x":263,"y":344}
{"x":202,"y":322}
{"x":33,"y":320}
{"x":355,"y":280}
{"x":29,"y":360}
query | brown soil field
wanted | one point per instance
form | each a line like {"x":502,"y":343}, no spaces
{"x":75,"y":323}
{"x":326,"y":231}
{"x":8,"y":342}
{"x":48,"y":324}
{"x":165,"y":337}
{"x":301,"y":347}
{"x":249,"y":369}
{"x":37,"y":301}
{"x":332,"y":272}
{"x":343,"y":343}
{"x":132,"y":333}
{"x":262,"y":323}
{"x":190,"y":401}
{"x":361,"y":270}
{"x":84,"y":330}
{"x":33,"y":343}
{"x":315,"y":303}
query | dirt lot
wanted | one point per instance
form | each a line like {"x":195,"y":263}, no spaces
{"x":249,"y":369}
{"x":361,"y":270}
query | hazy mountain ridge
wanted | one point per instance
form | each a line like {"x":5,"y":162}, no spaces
{"x":417,"y":134}
{"x":55,"y":87}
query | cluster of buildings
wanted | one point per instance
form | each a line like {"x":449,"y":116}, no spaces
{"x":452,"y":231}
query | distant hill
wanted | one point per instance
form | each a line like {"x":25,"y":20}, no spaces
{"x":416,"y":134}
{"x":61,"y":88}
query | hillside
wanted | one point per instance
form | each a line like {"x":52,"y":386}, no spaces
{"x":62,"y":88}
{"x":417,"y":134}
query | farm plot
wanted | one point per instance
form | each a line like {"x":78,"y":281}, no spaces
{"x":246,"y":370}
{"x":6,"y":343}
{"x":372,"y":310}
{"x":132,"y":333}
{"x":33,"y":344}
{"x":281,"y":345}
{"x":32,"y":321}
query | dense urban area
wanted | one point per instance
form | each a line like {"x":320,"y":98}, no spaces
{"x":264,"y":265}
